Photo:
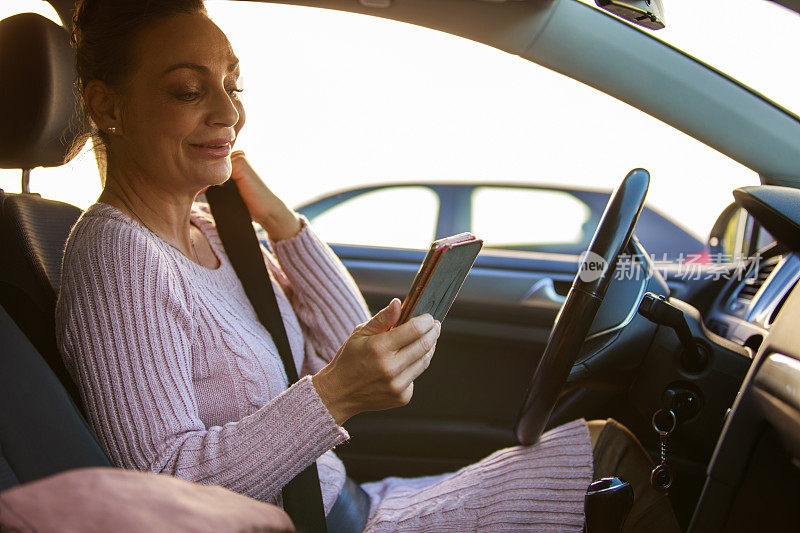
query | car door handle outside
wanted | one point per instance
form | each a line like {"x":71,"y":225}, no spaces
{"x":543,"y":295}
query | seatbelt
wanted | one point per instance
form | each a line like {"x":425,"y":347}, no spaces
{"x":302,"y":496}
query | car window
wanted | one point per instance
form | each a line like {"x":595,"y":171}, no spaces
{"x":511,"y":217}
{"x":41,"y":7}
{"x":77,"y":182}
{"x":401,"y":217}
{"x":326,"y":112}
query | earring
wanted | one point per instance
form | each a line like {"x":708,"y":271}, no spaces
{"x":112,"y":130}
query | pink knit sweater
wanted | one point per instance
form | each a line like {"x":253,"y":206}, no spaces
{"x":175,"y":370}
{"x":177,"y":375}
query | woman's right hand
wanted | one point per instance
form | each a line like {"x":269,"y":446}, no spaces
{"x":376,"y":366}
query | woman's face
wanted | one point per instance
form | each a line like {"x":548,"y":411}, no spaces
{"x":180,"y":111}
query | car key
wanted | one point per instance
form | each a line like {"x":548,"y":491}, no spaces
{"x":662,"y":476}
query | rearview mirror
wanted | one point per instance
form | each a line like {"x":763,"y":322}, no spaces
{"x":647,"y":13}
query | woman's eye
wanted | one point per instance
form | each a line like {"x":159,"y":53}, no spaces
{"x":188,"y":96}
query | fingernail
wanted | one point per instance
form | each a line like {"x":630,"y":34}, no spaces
{"x":438,"y":325}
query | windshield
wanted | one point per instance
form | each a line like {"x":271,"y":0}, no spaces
{"x":754,"y":41}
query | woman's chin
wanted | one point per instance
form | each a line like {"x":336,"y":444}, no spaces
{"x":218,"y":173}
{"x":221,"y":179}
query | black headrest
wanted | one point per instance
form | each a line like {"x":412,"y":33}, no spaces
{"x":37,"y":103}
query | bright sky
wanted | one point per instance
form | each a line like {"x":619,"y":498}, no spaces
{"x":336,"y":99}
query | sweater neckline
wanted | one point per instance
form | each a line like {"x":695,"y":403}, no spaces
{"x":223,"y":276}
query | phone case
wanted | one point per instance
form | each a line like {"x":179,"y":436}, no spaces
{"x":441,"y":276}
{"x":419,"y":283}
{"x":424,"y":272}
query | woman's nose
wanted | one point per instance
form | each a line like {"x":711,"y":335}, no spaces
{"x":240,"y":108}
{"x":224,"y":111}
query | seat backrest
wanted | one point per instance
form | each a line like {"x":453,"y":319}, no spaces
{"x":39,"y":229}
{"x":41,"y":430}
{"x":33,"y":232}
{"x":38,"y":129}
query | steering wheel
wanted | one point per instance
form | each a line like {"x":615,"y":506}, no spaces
{"x":580,"y":307}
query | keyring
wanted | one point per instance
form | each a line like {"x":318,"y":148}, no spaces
{"x":655,"y":424}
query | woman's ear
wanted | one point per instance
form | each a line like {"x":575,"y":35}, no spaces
{"x":102,"y":106}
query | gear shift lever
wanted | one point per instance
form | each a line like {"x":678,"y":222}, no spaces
{"x":607,"y":504}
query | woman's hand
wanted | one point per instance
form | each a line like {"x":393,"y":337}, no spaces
{"x":376,"y":367}
{"x":275,"y":217}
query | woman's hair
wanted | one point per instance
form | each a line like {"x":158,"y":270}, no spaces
{"x":104,"y":34}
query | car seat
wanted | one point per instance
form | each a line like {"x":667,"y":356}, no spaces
{"x":38,"y":109}
{"x":41,"y":431}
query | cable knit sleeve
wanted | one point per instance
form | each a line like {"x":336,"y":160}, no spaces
{"x":125,"y":329}
{"x":323,"y":294}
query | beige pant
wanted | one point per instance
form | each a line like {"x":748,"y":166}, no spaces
{"x":617,"y":452}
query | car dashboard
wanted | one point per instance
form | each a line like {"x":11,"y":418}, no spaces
{"x":753,"y":478}
{"x":750,"y":301}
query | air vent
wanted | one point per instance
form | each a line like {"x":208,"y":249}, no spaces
{"x":753,"y":283}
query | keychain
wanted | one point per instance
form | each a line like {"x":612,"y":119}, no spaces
{"x":661,"y":477}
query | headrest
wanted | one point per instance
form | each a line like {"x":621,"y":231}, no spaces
{"x":37,"y":104}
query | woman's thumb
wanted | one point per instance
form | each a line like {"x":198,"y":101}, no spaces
{"x":383,"y":319}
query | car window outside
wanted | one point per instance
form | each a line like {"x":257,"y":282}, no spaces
{"x":509,"y":216}
{"x":401,"y":217}
{"x":336,"y":100}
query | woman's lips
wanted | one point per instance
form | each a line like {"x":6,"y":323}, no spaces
{"x":213,"y":150}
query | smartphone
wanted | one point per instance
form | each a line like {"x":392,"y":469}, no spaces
{"x":440,"y":277}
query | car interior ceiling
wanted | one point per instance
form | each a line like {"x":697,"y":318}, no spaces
{"x":738,"y":476}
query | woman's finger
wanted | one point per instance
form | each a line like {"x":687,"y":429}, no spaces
{"x":405,"y":334}
{"x":382,"y":320}
{"x":411,"y":353}
{"x":416,"y":368}
{"x":238,"y":166}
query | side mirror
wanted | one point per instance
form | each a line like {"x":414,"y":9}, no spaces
{"x":647,"y":13}
{"x":728,"y":234}
{"x":736,"y":235}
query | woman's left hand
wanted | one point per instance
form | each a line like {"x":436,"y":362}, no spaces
{"x":264,"y":206}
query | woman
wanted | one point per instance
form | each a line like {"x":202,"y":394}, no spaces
{"x":176,"y":373}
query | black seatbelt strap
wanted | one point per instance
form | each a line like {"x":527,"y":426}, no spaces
{"x":302,"y":497}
